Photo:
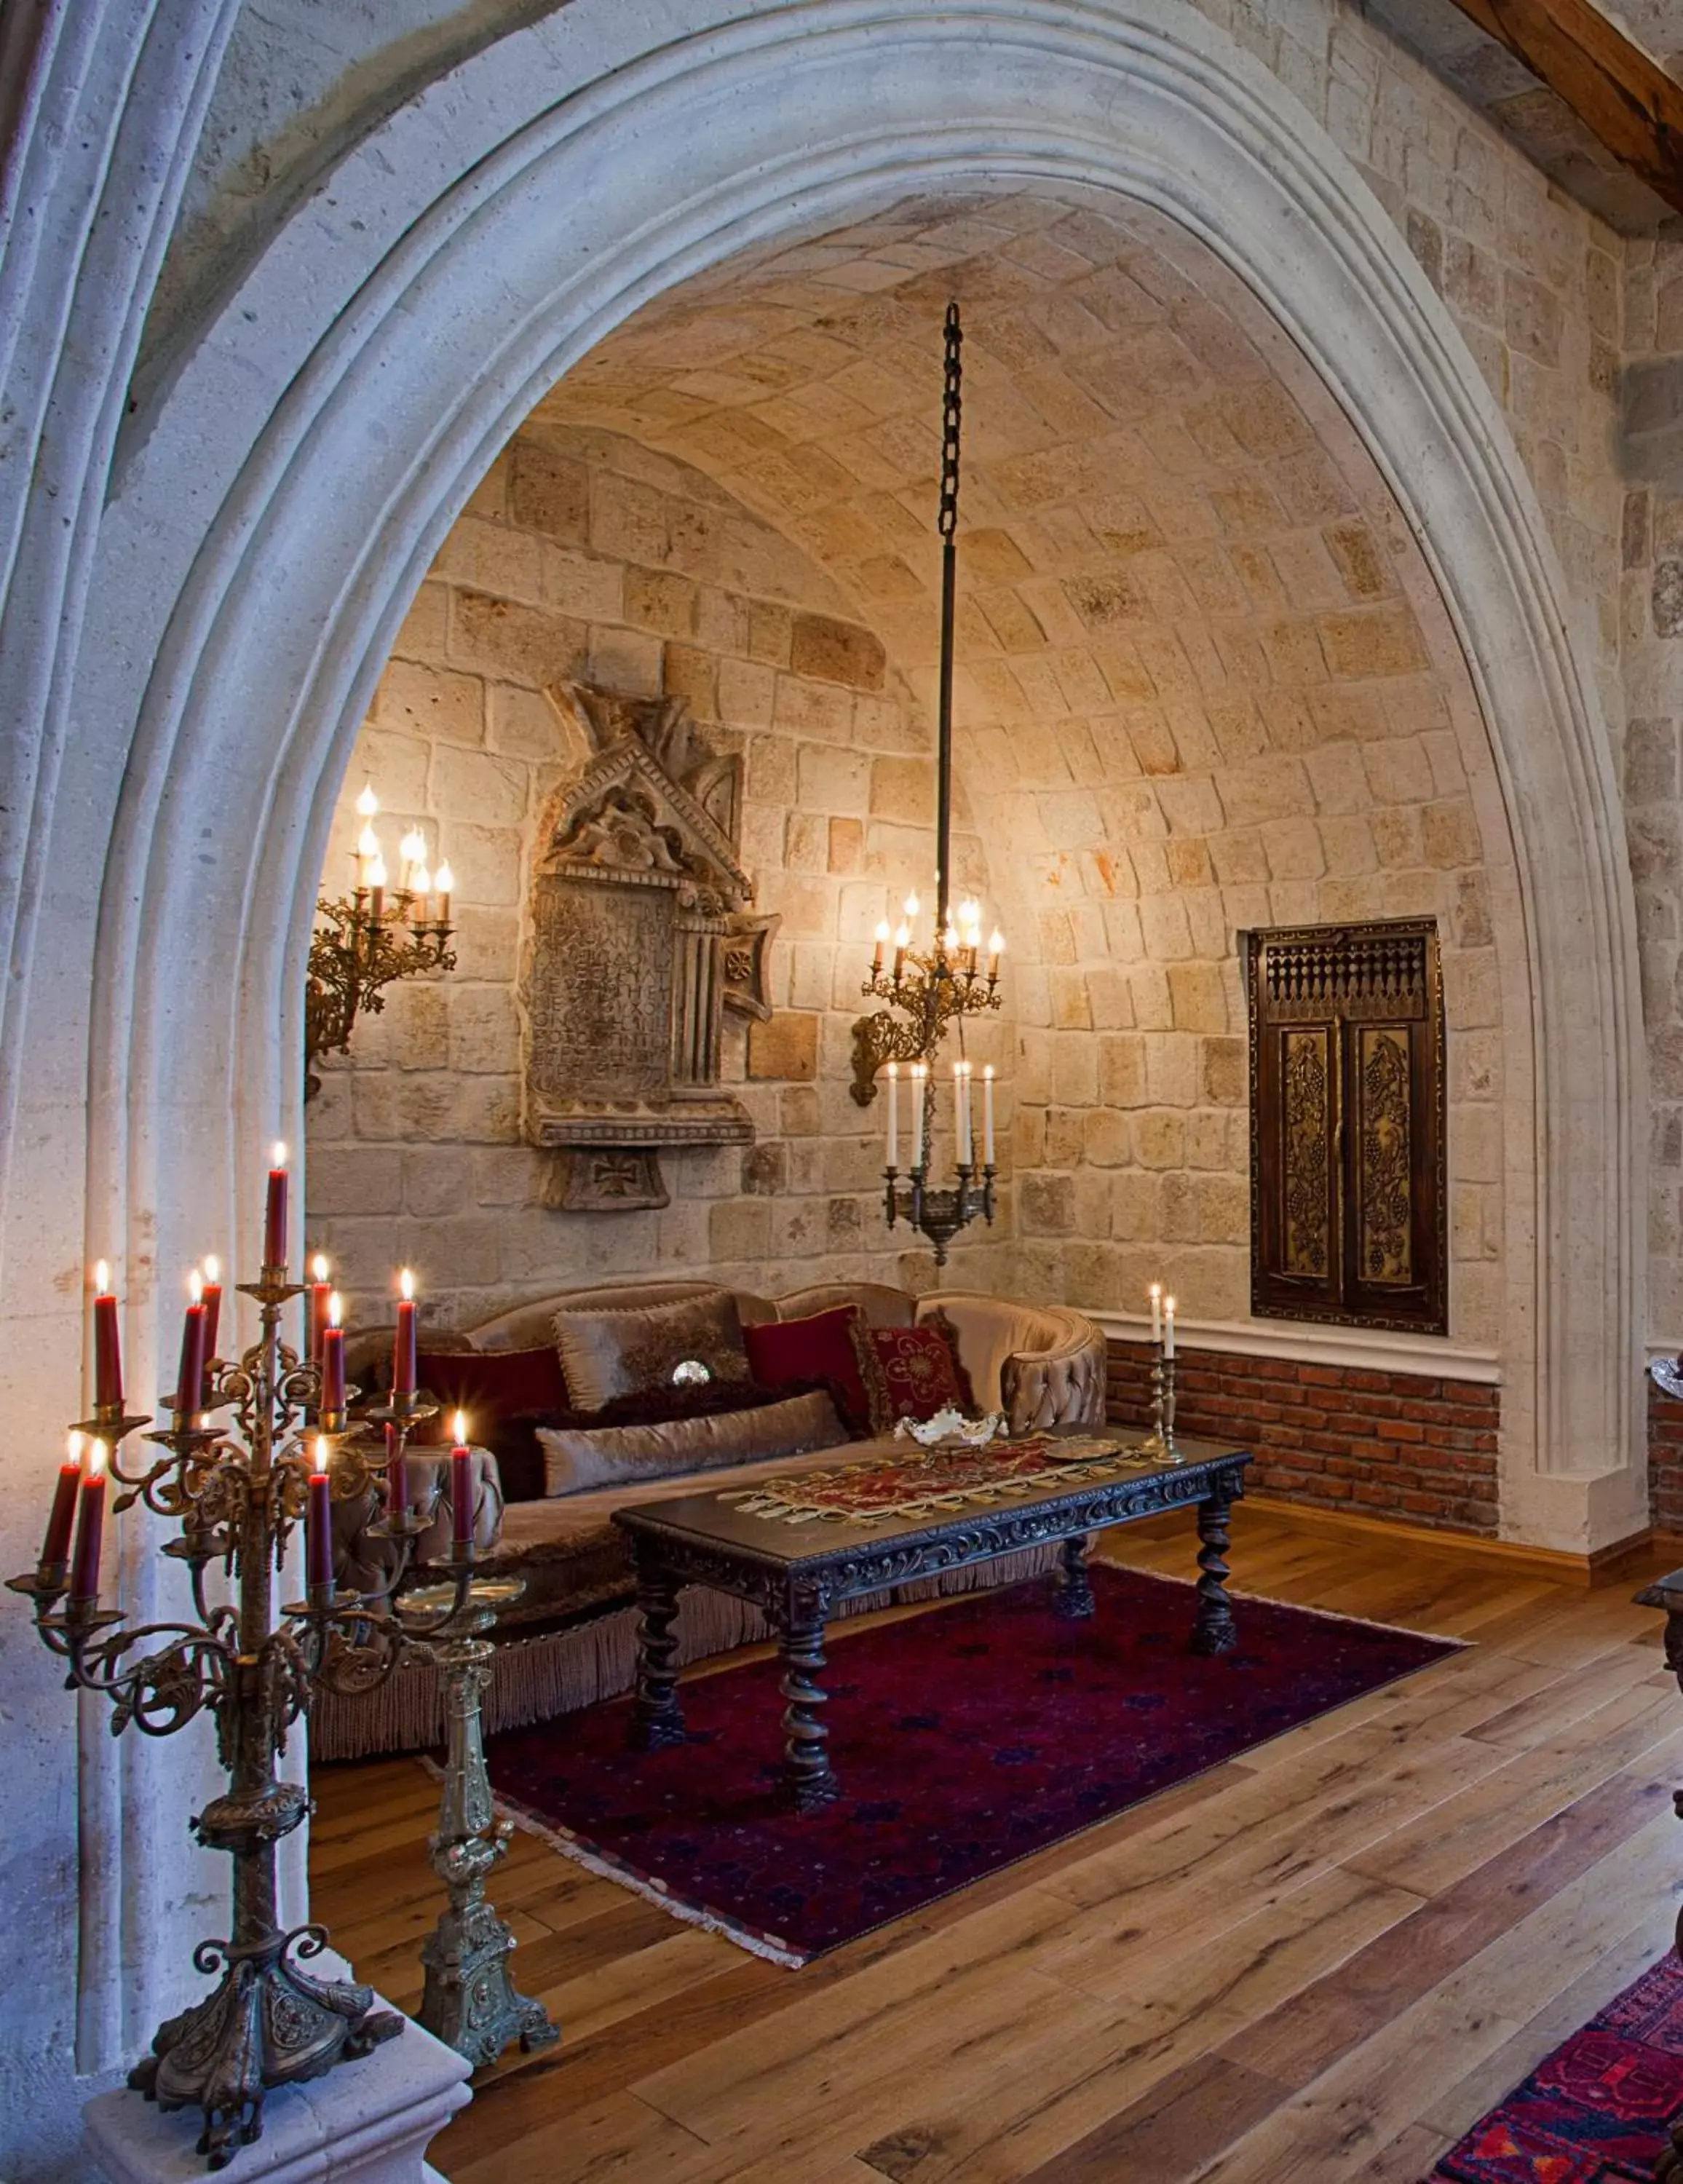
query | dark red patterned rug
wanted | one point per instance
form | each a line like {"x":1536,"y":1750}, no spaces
{"x":1596,"y":2110}
{"x":964,"y":1739}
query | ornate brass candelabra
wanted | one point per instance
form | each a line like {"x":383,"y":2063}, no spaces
{"x":931,"y":991}
{"x":369,"y":939}
{"x":238,"y":1490}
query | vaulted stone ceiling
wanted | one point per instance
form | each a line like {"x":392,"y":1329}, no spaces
{"x":1204,"y":679}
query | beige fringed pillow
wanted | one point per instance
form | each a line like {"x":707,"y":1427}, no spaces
{"x":620,"y":1349}
{"x":575,"y":1458}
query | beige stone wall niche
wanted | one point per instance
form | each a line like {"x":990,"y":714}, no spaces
{"x":585,"y":555}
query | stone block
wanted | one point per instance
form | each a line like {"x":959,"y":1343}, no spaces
{"x":479,"y":786}
{"x":1046,"y":1203}
{"x":787,"y":1047}
{"x":630,"y":521}
{"x":531,"y":644}
{"x":486,"y":862}
{"x":902,"y":790}
{"x":1450,"y":834}
{"x":549,"y":492}
{"x":484,"y":1030}
{"x":1075,"y":1070}
{"x":524,"y":725}
{"x":1072,"y":1009}
{"x":836,"y":652}
{"x":765,"y":1170}
{"x":845,"y":846}
{"x":689,"y":673}
{"x":798,"y":1112}
{"x":660,"y":600}
{"x":1122,"y":1069}
{"x":1376,"y":641}
{"x":1197,"y":997}
{"x":627,"y":660}
{"x":747,"y":693}
{"x":738,"y":1230}
{"x":1160,"y":1138}
{"x":806,"y":842}
{"x":355,"y":1179}
{"x":1223,"y":1072}
{"x":1206,"y":1140}
{"x":431,"y":702}
{"x":833,"y":780}
{"x":1172,"y":1070}
{"x":1108,"y":1140}
{"x":1531,"y":317}
{"x":1667,"y":599}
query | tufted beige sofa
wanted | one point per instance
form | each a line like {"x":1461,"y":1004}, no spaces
{"x":570,"y":1639}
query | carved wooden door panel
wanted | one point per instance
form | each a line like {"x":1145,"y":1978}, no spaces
{"x":1347,"y":1125}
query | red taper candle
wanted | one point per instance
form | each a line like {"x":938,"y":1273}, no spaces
{"x":274,"y":1213}
{"x":108,"y":1351}
{"x":55,"y":1548}
{"x":397,"y":1473}
{"x":90,"y":1526}
{"x":213,"y":1321}
{"x":461,"y":1485}
{"x":190,"y":1376}
{"x":321,"y":1289}
{"x":403,"y":1350}
{"x":332,"y":1357}
{"x":317,"y":1526}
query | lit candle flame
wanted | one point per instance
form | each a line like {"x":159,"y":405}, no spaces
{"x":422,"y":881}
{"x":894,"y":1069}
{"x":445,"y":879}
{"x":996,"y":941}
{"x":322,"y":1453}
{"x":334,"y":1309}
{"x":883,"y":930}
{"x":368,"y":843}
{"x":377,"y":872}
{"x":459,"y":1428}
{"x":73,"y":1447}
{"x":196,"y":1286}
{"x":99,"y":1455}
{"x":318,"y":1266}
{"x":912,"y":905}
{"x":368,"y":803}
{"x":213,"y":1267}
{"x":412,"y":847}
{"x":406,"y":1285}
{"x":902,"y":936}
{"x":278,"y":1155}
{"x":102,"y":1278}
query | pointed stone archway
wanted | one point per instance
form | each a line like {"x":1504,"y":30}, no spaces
{"x":273,"y":517}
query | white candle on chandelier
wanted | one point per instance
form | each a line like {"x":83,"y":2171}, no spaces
{"x":882,"y":942}
{"x":920,"y":1072}
{"x":376,"y":889}
{"x":960,"y":1102}
{"x":894,"y":1114}
{"x":995,"y":949}
{"x":987,"y":1115}
{"x":445,"y":883}
{"x":902,"y":942}
{"x":1168,"y":1326}
{"x":1157,"y":1295}
{"x":411,"y":859}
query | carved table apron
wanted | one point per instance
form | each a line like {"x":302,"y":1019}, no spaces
{"x":799,"y":1573}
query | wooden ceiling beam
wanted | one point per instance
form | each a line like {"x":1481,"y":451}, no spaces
{"x":1620,"y":95}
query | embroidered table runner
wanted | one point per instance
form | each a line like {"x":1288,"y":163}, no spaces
{"x":936,"y":1480}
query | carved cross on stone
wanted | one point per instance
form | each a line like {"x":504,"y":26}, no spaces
{"x":642,"y":938}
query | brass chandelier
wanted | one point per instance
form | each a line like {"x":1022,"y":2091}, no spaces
{"x":930,"y":986}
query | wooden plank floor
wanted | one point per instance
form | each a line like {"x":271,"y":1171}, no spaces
{"x":1322,"y":1961}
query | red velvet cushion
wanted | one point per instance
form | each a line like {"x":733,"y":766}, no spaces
{"x":822,"y":1348}
{"x":501,"y":1391}
{"x":919,"y":1372}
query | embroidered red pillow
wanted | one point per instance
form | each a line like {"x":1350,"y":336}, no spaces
{"x":822,"y":1348}
{"x":919,"y":1372}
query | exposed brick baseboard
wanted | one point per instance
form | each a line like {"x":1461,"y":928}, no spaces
{"x":1665,"y":1462}
{"x":1421,"y":1451}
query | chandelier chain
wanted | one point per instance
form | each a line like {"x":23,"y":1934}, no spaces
{"x":952,"y":413}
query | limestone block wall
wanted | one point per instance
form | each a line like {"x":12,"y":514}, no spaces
{"x":1651,"y":606}
{"x":585,"y":555}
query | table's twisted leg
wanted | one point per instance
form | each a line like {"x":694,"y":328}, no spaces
{"x":1074,"y":1593}
{"x":1213,"y":1629}
{"x":657,"y":1716}
{"x":809,"y":1780}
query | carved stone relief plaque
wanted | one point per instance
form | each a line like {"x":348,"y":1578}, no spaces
{"x":641,"y":940}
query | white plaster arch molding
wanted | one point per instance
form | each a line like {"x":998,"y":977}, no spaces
{"x":279,"y":512}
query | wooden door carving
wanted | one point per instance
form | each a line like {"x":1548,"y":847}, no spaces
{"x":1348,"y":1194}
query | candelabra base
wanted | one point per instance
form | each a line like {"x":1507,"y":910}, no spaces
{"x":369,"y":2123}
{"x":470,"y":2001}
{"x":268,"y":2024}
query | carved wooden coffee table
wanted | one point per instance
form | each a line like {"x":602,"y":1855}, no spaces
{"x":798,"y":1573}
